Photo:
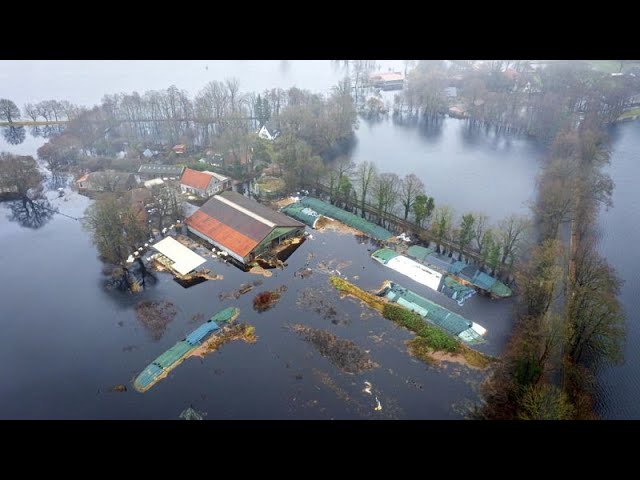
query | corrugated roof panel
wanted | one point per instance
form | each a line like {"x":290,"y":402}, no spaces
{"x":147,"y":377}
{"x":225,"y":316}
{"x":185,"y":260}
{"x":223,"y":234}
{"x":201,"y":332}
{"x":174,"y":354}
{"x":278,"y":218}
{"x":244,"y":224}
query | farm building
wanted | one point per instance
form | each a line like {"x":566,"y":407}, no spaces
{"x":240,"y":226}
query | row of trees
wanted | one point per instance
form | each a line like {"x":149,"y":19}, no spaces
{"x":47,"y":110}
{"x":376,"y":195}
{"x":570,"y":319}
{"x":222,"y":116}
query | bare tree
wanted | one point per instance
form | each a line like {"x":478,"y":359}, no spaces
{"x":411,"y":186}
{"x":511,"y":233}
{"x":441,"y":225}
{"x":366,"y":174}
{"x":32,"y":111}
{"x":386,"y":191}
{"x":594,"y":314}
{"x":481,"y":225}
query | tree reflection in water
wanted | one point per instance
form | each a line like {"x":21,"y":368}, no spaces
{"x":14,"y":135}
{"x":31,"y":213}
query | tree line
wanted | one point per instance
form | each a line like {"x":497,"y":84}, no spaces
{"x":570,"y":319}
{"x":377,"y":196}
{"x":514,"y":96}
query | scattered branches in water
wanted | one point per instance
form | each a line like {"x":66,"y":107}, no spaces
{"x":241,"y":331}
{"x":345,"y":354}
{"x":155,"y":316}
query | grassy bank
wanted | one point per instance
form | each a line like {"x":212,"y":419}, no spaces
{"x":629,"y":114}
{"x":20,"y":123}
{"x":429,"y":339}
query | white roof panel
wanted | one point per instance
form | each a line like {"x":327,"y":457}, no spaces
{"x":185,"y":260}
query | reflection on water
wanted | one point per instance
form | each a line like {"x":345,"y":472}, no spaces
{"x":461,"y":165}
{"x":30,"y":213}
{"x":14,"y":135}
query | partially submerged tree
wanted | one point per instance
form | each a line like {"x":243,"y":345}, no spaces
{"x":19,"y":174}
{"x":595,"y":318}
{"x":117,"y":228}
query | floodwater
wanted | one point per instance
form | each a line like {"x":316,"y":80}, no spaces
{"x":471,"y":170}
{"x":66,"y":340}
{"x":620,"y":234}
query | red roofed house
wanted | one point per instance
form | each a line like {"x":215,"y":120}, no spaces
{"x":240,"y":226}
{"x":181,"y":148}
{"x":203,"y":184}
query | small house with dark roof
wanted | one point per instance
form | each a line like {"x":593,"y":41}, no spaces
{"x":148,"y":171}
{"x":203,"y":184}
{"x":241,"y":226}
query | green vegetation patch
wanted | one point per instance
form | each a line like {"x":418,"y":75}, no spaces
{"x":629,"y":114}
{"x":429,"y":338}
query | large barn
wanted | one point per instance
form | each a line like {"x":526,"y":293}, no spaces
{"x":240,"y":226}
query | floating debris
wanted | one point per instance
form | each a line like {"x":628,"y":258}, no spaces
{"x":155,"y":316}
{"x":244,"y":288}
{"x":367,"y":388}
{"x":196,"y":278}
{"x":315,"y":299}
{"x":345,"y":354}
{"x":118,"y":388}
{"x":258,"y":270}
{"x":265,"y":300}
{"x":129,"y":348}
{"x":303,"y":273}
{"x":192,"y":414}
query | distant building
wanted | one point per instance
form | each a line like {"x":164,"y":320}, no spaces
{"x":147,"y":153}
{"x":180,"y":148}
{"x":154,"y":182}
{"x":240,"y":226}
{"x":150,"y":170}
{"x":387,"y":80}
{"x":457,"y":112}
{"x":264,"y":133}
{"x":203,"y":184}
{"x":106,"y":181}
